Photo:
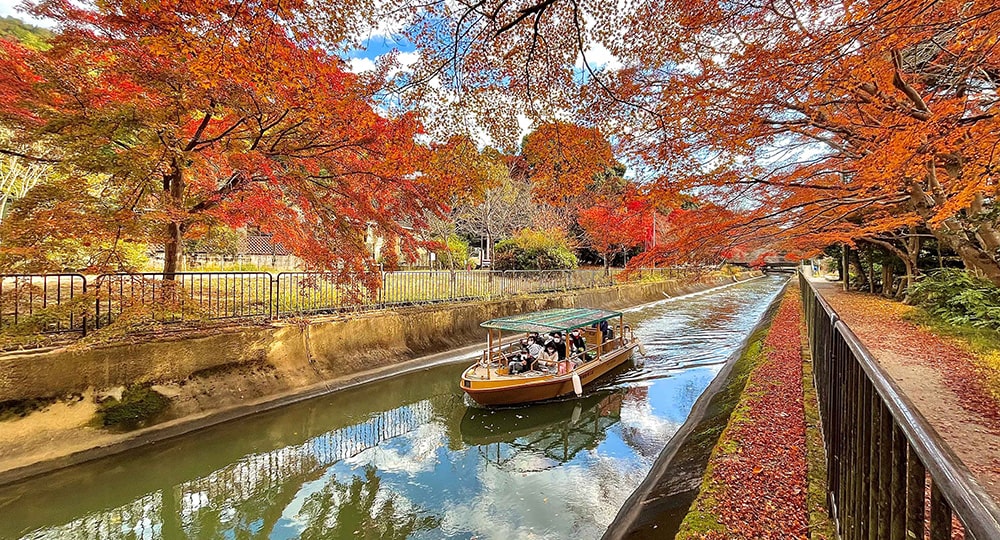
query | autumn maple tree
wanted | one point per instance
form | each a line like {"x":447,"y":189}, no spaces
{"x":617,"y":226}
{"x":564,"y":159}
{"x":806,"y":122}
{"x":185,"y":114}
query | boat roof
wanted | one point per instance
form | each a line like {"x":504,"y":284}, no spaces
{"x":552,"y":320}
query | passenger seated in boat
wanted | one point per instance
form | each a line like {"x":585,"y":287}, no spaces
{"x":560,"y":347}
{"x":548,"y":359}
{"x":519,"y":363}
{"x":578,"y":345}
{"x":607,"y":333}
{"x":535,"y":348}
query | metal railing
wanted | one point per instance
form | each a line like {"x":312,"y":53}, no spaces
{"x":189,"y":296}
{"x":884,"y":460}
{"x":57,"y":303}
{"x":48,"y":303}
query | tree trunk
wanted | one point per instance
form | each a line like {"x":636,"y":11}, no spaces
{"x":172,"y":250}
{"x":173,"y":247}
{"x":886,"y":280}
{"x":950,"y":231}
{"x":871,"y":269}
{"x":987,"y":235}
{"x":912,"y":244}
{"x":855,"y":259}
{"x":845,"y":271}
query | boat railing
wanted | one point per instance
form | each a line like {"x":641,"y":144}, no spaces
{"x":592,"y":350}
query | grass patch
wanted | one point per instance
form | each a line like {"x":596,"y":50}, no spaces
{"x":982,"y":343}
{"x":138,"y":406}
{"x":702,"y":517}
{"x":14,"y":409}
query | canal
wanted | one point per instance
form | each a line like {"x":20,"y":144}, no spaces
{"x":409,"y":457}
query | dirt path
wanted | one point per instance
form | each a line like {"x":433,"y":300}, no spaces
{"x":936,"y":374}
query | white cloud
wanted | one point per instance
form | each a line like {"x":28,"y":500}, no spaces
{"x":560,"y":502}
{"x":407,"y":59}
{"x":598,"y":56}
{"x":404,"y":63}
{"x":8,"y":8}
{"x":361,"y":65}
{"x":525,"y":124}
{"x":418,"y":455}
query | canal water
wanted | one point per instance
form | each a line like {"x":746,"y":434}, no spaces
{"x":409,"y":457}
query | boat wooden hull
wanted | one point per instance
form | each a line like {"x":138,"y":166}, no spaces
{"x":508,"y":391}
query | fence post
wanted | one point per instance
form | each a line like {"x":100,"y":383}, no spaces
{"x":381,"y":290}
{"x":84,"y":317}
{"x":97,"y":306}
{"x":274,"y":296}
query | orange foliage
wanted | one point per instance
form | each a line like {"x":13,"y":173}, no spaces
{"x":564,"y":159}
{"x":808,"y":122}
{"x":195,"y":112}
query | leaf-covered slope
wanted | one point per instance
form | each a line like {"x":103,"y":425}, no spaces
{"x":31,"y":36}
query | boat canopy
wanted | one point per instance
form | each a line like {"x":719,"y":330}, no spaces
{"x":552,"y":320}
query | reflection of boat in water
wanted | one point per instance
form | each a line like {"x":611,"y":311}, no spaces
{"x":557,"y":431}
{"x":491,"y":381}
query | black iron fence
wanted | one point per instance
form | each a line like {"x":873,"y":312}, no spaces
{"x":889,"y":473}
{"x":47,"y":304}
{"x":189,"y":296}
{"x":58,"y":303}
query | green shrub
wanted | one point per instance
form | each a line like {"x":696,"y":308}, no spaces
{"x":534,"y":250}
{"x":958,"y":297}
{"x":138,"y":405}
{"x":454,"y":254}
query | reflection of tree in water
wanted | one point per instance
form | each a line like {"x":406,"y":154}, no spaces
{"x":554,"y":431}
{"x":250,"y":519}
{"x":360,"y":510}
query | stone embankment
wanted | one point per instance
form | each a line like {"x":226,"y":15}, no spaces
{"x":757,"y":479}
{"x":227,"y":373}
{"x":748,"y":463}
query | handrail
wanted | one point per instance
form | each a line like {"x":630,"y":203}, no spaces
{"x":876,"y":482}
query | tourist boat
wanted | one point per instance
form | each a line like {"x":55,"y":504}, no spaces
{"x":489,"y":381}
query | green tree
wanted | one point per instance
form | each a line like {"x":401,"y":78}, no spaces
{"x":454,"y":253}
{"x":535,"y":250}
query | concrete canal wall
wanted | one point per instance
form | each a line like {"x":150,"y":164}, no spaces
{"x":659,"y":504}
{"x":226,"y":374}
{"x":232,"y":364}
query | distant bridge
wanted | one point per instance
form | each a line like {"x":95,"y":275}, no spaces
{"x":780,"y":267}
